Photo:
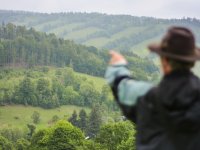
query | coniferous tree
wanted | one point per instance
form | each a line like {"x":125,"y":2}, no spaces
{"x":82,"y":122}
{"x":95,"y":121}
{"x":73,"y":119}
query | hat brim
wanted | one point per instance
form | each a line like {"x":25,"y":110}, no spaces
{"x":156,"y":48}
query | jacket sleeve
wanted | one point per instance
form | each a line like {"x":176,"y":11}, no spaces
{"x":125,"y":89}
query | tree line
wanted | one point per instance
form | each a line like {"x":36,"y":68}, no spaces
{"x":63,"y":135}
{"x":80,"y":132}
{"x":28,"y":48}
{"x":22,"y":47}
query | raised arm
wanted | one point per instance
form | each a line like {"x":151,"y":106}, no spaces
{"x":125,"y":89}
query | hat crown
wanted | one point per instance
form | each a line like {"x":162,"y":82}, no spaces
{"x":179,"y":41}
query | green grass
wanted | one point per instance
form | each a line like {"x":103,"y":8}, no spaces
{"x":98,"y":82}
{"x":62,"y":30}
{"x":98,"y":42}
{"x":141,"y":48}
{"x":42,"y":26}
{"x":102,"y":41}
{"x":127,"y":32}
{"x":81,"y":33}
{"x":8,"y":115}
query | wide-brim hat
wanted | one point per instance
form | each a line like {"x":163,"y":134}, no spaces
{"x":178,"y":43}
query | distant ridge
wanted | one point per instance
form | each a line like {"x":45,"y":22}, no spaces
{"x":122,"y":32}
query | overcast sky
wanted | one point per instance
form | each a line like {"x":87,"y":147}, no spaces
{"x":154,"y":8}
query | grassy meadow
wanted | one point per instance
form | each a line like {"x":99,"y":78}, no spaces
{"x":18,"y":116}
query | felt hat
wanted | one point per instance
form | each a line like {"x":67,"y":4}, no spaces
{"x":178,"y":43}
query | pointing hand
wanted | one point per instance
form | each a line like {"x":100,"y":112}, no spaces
{"x":117,"y":59}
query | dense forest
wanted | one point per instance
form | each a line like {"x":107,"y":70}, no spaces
{"x":22,"y":47}
{"x":122,"y":32}
{"x":26,"y":47}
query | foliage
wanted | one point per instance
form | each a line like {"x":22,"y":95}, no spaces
{"x":12,"y":134}
{"x":95,"y":121}
{"x":22,"y":144}
{"x":28,"y":48}
{"x":88,"y":94}
{"x":5,"y":144}
{"x":36,"y":117}
{"x":55,"y":118}
{"x":65,"y":136}
{"x":127,"y":145}
{"x":61,"y":136}
{"x":73,"y":119}
{"x":31,"y":128}
{"x":25,"y":93}
{"x":45,"y":96}
{"x":115,"y":136}
{"x":49,"y":90}
{"x":40,"y":139}
{"x":91,"y":145}
{"x":83,"y":120}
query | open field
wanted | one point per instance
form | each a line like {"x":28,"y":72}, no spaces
{"x":18,"y":116}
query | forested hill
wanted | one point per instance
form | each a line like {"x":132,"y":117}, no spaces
{"x":121,"y":32}
{"x":27,"y":48}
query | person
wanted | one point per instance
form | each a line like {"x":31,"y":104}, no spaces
{"x":166,"y":115}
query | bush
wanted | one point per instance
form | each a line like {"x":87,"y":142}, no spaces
{"x":55,"y":118}
{"x":22,"y":144}
{"x":36,"y":117}
{"x":5,"y":144}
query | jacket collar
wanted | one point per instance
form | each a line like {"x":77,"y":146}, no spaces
{"x":178,"y":73}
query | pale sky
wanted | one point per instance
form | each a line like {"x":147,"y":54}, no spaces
{"x":153,"y":8}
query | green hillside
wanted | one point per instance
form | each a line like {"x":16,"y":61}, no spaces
{"x":121,"y":32}
{"x":22,"y":47}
